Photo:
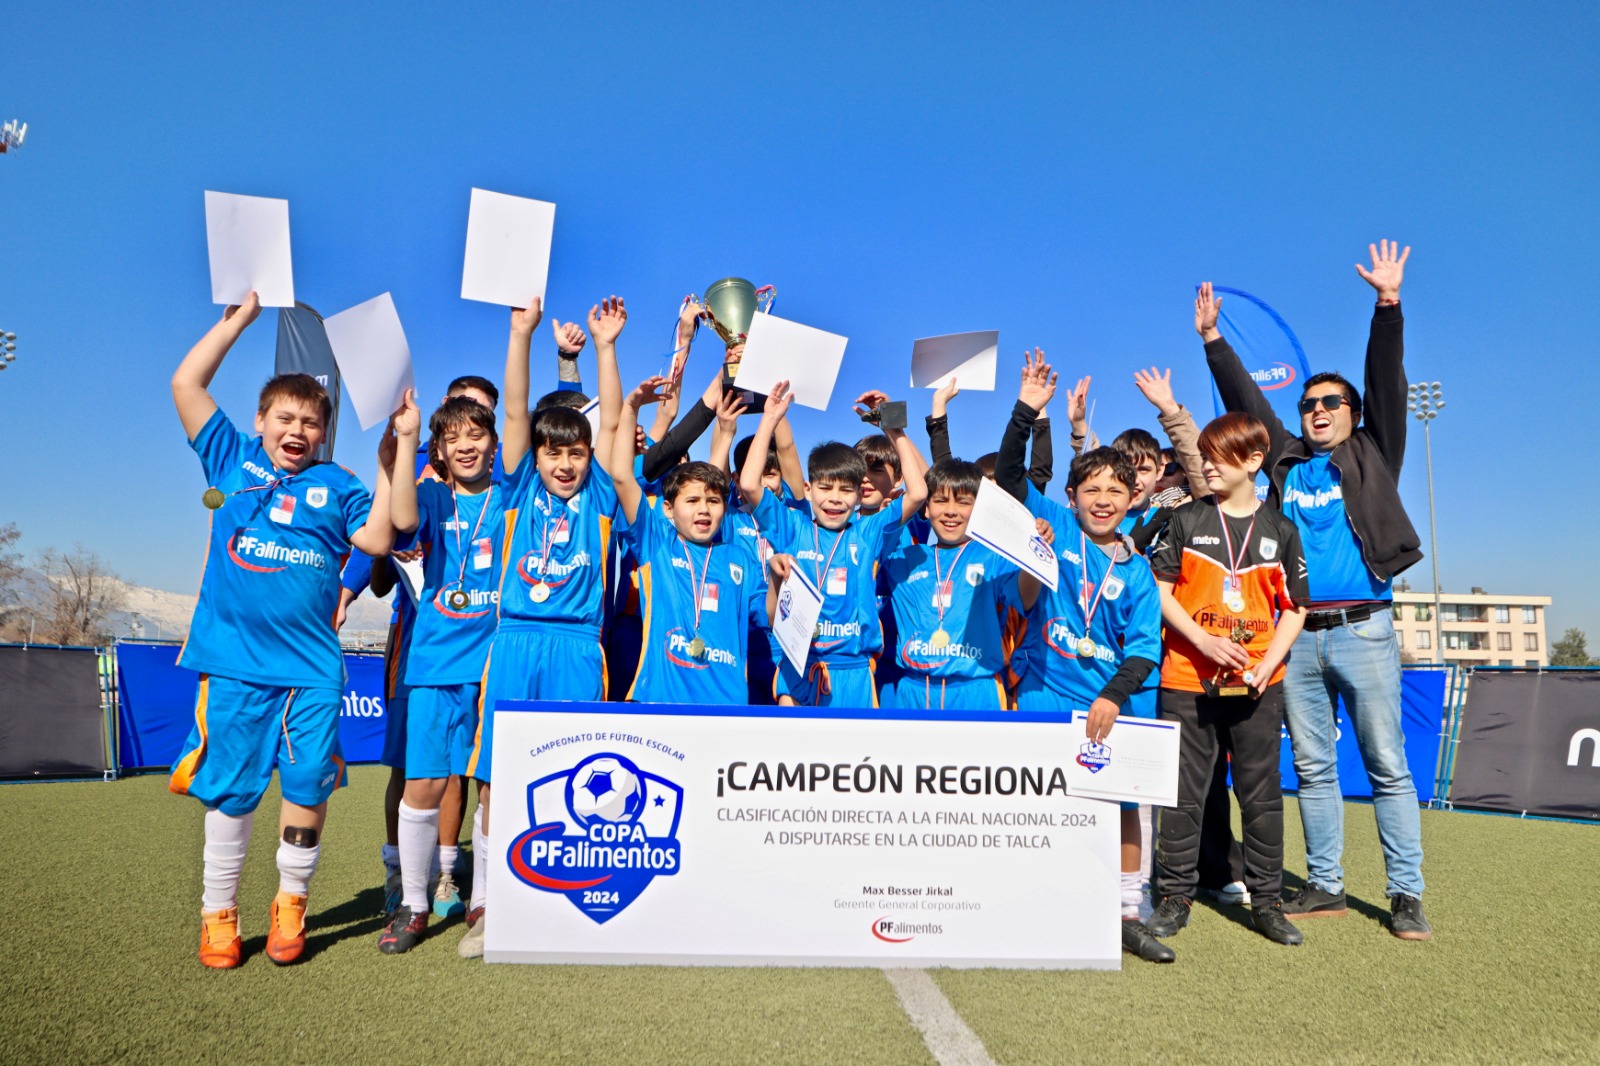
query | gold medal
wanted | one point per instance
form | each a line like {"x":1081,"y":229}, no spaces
{"x":458,"y":600}
{"x":697,"y":648}
{"x":540,"y":592}
{"x":1086,"y":648}
{"x":940,"y":640}
{"x":213,"y":498}
{"x":1233,"y":602}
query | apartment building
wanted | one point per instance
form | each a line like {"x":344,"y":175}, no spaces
{"x":1476,"y":628}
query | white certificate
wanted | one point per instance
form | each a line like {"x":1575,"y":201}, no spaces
{"x":799,"y":607}
{"x":779,"y":350}
{"x":374,"y":359}
{"x":412,"y":578}
{"x":1136,"y":763}
{"x":508,"y":248}
{"x":967,"y":357}
{"x":247,"y":241}
{"x":1003,"y":524}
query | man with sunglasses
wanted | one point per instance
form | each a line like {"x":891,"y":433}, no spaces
{"x":1338,"y":482}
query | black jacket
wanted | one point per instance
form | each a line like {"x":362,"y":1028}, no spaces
{"x":1368,"y":462}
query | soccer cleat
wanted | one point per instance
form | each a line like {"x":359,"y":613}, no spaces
{"x":219,"y":938}
{"x":471,"y":946}
{"x":1406,"y":920}
{"x":1313,"y":902}
{"x":447,"y":898}
{"x":286,"y":929}
{"x":403,"y":931}
{"x":1171,"y":914}
{"x":1136,"y":940}
{"x":392,"y":891}
{"x":1270,"y":923}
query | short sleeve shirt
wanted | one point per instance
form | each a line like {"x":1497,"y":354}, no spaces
{"x":562,"y":545}
{"x":461,"y":535}
{"x":949,"y":609}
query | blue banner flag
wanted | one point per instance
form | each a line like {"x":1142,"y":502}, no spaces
{"x":1269,"y":350}
{"x":303,"y":348}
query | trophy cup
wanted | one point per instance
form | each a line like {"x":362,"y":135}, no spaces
{"x":731,"y":305}
{"x":1227,"y":682}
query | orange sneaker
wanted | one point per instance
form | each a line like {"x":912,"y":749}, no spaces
{"x":286,"y":931}
{"x":219,"y":938}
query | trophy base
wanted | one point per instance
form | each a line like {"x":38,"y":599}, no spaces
{"x":1228,"y":689}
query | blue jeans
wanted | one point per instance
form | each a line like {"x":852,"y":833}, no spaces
{"x":1361,"y":662}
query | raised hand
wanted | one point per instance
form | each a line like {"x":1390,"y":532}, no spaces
{"x":778,"y":568}
{"x":606,"y":320}
{"x":692,"y":310}
{"x":1388,"y":267}
{"x":778,"y":401}
{"x":1046,"y":531}
{"x":388,"y":445}
{"x":241,"y":315}
{"x":650,"y":390}
{"x":1078,"y":406}
{"x":524,"y":320}
{"x":407,"y":420}
{"x":870,"y":401}
{"x":729,"y":408}
{"x":570,"y":337}
{"x":1038,"y":380}
{"x":1206,"y":308}
{"x":1157,"y":388}
{"x":1102,"y":716}
{"x":943,"y":395}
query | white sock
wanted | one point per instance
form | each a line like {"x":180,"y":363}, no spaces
{"x":295,"y":867}
{"x":1132,"y":893}
{"x":480,"y":861}
{"x":227,"y":837}
{"x":391,"y":858}
{"x":449,"y":855}
{"x":419,"y":838}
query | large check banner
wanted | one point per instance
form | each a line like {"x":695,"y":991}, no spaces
{"x":630,"y":833}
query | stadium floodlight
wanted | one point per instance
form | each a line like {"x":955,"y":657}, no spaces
{"x":8,"y":349}
{"x":1425,"y":399}
{"x":12,"y":134}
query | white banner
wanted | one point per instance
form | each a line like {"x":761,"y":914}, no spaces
{"x":712,"y":836}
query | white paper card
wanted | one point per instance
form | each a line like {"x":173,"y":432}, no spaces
{"x":412,"y":578}
{"x":1136,"y":763}
{"x":591,"y":411}
{"x":967,"y":357}
{"x":374,"y":359}
{"x":247,"y":239}
{"x":799,"y":607}
{"x":779,"y":350}
{"x":1003,"y":524}
{"x":508,"y":248}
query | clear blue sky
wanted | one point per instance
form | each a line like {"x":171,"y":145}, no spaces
{"x":1064,"y":175}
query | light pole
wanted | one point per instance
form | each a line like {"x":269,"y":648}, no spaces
{"x":8,"y":349}
{"x":1425,"y":400}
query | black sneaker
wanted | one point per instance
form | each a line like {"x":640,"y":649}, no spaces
{"x":403,"y":931}
{"x":1406,"y":920}
{"x":1270,"y":923}
{"x":1171,"y":914}
{"x":1313,"y":902}
{"x":1136,"y":940}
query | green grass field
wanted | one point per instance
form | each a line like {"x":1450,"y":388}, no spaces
{"x":98,"y":928}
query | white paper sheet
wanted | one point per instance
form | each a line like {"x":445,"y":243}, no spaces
{"x":412,"y":578}
{"x":591,"y":411}
{"x":1000,"y":522}
{"x":799,"y":607}
{"x":508,"y":248}
{"x":779,"y":350}
{"x":373,"y":356}
{"x":1137,"y":762}
{"x":247,"y":239}
{"x":967,"y":357}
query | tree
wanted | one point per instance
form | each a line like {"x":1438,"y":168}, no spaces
{"x":10,"y":570}
{"x":80,"y":595}
{"x":1572,"y":650}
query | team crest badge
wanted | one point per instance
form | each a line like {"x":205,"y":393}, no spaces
{"x":317,"y":496}
{"x":974,"y":574}
{"x":1094,"y":757}
{"x":1269,"y":548}
{"x":736,"y":572}
{"x":855,"y":558}
{"x":598,"y":834}
{"x":1113,"y":587}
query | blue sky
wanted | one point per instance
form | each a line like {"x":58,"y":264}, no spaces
{"x":1063,"y":174}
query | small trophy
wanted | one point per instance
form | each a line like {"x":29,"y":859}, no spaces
{"x":731,"y":305}
{"x":1227,"y":682}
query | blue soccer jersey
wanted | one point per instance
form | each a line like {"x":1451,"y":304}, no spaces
{"x":461,"y":536}
{"x":844,"y":565}
{"x":556,"y":550}
{"x":949,"y":606}
{"x":1122,"y":603}
{"x":690,"y":591}
{"x":276,"y":547}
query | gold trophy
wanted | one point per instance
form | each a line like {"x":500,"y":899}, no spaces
{"x":731,"y":305}
{"x":1227,"y":682}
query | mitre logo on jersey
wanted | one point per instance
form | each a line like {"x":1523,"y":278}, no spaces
{"x":598,"y":834}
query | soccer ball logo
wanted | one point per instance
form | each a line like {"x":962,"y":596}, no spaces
{"x":605,"y":788}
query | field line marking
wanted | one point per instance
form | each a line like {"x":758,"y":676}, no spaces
{"x":948,"y":1039}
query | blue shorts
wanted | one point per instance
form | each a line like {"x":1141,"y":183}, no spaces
{"x":243,"y":730}
{"x":440,"y":730}
{"x":849,"y":684}
{"x":919,"y":692}
{"x":395,"y":709}
{"x":536,"y":661}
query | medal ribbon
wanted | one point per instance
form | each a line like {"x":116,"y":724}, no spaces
{"x":816,"y":544}
{"x":938,"y":597}
{"x":461,"y":575}
{"x":1100,"y":589}
{"x":546,"y":544}
{"x":696,"y":589}
{"x":1234,"y":562}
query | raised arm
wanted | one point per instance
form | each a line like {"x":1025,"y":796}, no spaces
{"x":1384,"y":409}
{"x":402,"y":486}
{"x":750,"y":487}
{"x":938,"y":423}
{"x":1078,"y":416}
{"x":789,"y":466}
{"x":729,"y":407}
{"x":570,"y":340}
{"x":516,"y":435}
{"x":1041,"y":453}
{"x":376,"y":537}
{"x":674,"y":443}
{"x":606,"y":320}
{"x":1237,"y":388}
{"x":1178,"y":424}
{"x":1038,"y":387}
{"x":913,"y":471}
{"x":191,"y":382}
{"x":619,"y":461}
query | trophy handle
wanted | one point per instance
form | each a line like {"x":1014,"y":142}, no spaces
{"x":766,"y":296}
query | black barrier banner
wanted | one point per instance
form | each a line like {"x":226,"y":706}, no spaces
{"x":1530,"y":743}
{"x":51,"y":718}
{"x":303,"y":349}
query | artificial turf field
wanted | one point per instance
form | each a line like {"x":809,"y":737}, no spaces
{"x":99,"y":925}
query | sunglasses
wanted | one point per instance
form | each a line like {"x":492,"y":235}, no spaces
{"x":1172,"y":470}
{"x":1331,"y":402}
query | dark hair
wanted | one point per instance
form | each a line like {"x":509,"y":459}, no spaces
{"x":302,"y":388}
{"x":714,"y":478}
{"x":1230,"y":438}
{"x":562,"y":398}
{"x":561,"y":427}
{"x":1168,"y":455}
{"x":986,"y":462}
{"x":741,"y":452}
{"x":473,"y":381}
{"x":832,"y":461}
{"x":957,"y":475}
{"x":1350,"y":392}
{"x":459,"y":411}
{"x":1091,"y":462}
{"x":878,"y":451}
{"x":1137,"y":444}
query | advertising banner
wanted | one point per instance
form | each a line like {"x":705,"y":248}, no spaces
{"x":1422,"y":697}
{"x":1530,"y":743}
{"x":795,"y":837}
